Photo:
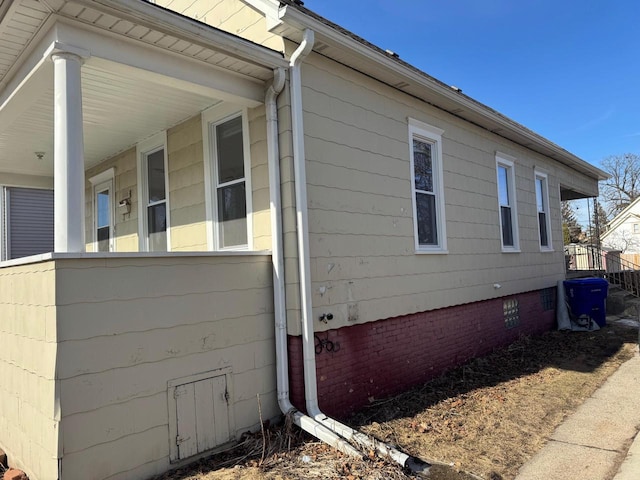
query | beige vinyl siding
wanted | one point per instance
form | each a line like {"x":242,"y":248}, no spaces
{"x":187,"y":195}
{"x":288,"y":199}
{"x":30,"y":181}
{"x":29,"y":424}
{"x":260,"y":179}
{"x":127,"y":326}
{"x":232,"y":16}
{"x":186,"y":186}
{"x":363,"y":261}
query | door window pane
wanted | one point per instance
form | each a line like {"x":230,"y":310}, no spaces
{"x":103,"y":221}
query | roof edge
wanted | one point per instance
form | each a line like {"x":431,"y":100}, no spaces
{"x":295,"y":17}
{"x":621,"y":217}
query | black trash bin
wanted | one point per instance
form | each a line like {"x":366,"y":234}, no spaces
{"x":586,"y":298}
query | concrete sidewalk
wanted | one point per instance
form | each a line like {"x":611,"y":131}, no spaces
{"x":593,"y":443}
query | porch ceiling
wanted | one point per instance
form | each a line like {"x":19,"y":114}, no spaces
{"x":119,"y":110}
{"x":145,"y":70}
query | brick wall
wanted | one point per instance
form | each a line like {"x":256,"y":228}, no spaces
{"x":378,"y":359}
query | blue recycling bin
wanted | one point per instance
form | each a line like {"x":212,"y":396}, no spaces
{"x":587,"y":297}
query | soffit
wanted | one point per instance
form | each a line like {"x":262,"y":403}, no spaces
{"x":118,"y":112}
{"x":22,"y":20}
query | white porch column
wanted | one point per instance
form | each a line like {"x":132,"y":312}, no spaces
{"x":69,"y":231}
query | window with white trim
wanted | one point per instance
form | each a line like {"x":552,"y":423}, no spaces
{"x":505,"y":169}
{"x":227,"y":175}
{"x":425,"y":142}
{"x":154,"y":199}
{"x":542,"y":206}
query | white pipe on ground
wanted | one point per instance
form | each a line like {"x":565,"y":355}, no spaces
{"x":282,"y":363}
{"x":308,"y":347}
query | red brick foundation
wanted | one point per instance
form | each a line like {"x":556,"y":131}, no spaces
{"x":378,"y":359}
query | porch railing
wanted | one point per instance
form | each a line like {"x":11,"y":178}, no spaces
{"x":609,"y":264}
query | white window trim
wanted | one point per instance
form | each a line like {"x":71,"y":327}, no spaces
{"x":98,"y":181}
{"x":102,"y":177}
{"x":217,"y":114}
{"x":424,"y":131}
{"x":145,"y":147}
{"x":545,"y":200}
{"x":508,"y":161}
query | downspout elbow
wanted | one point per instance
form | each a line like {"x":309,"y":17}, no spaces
{"x":304,"y":49}
{"x":273,"y":91}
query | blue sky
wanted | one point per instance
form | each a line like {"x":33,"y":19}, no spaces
{"x":567,"y":69}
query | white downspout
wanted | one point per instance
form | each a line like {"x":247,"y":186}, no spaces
{"x":308,"y":347}
{"x":277,"y":257}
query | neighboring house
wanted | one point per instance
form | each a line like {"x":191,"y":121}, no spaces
{"x":269,"y":168}
{"x":623,"y":231}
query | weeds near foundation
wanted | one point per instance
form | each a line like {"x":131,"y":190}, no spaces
{"x":488,"y":416}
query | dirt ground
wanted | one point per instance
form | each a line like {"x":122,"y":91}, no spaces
{"x":486,"y":418}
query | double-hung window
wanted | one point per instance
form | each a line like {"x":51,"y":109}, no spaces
{"x":425,"y":142}
{"x":227,"y":176}
{"x":154,"y":200}
{"x":507,"y":203}
{"x":542,"y":205}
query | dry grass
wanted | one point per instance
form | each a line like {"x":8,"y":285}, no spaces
{"x":487,"y":417}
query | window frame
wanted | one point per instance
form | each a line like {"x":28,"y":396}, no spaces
{"x":143,"y":150}
{"x":98,"y":182}
{"x":211,"y":117}
{"x":433,"y":135}
{"x":509,"y":163}
{"x":538,"y":175}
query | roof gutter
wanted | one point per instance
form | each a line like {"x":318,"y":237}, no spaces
{"x":299,"y":20}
